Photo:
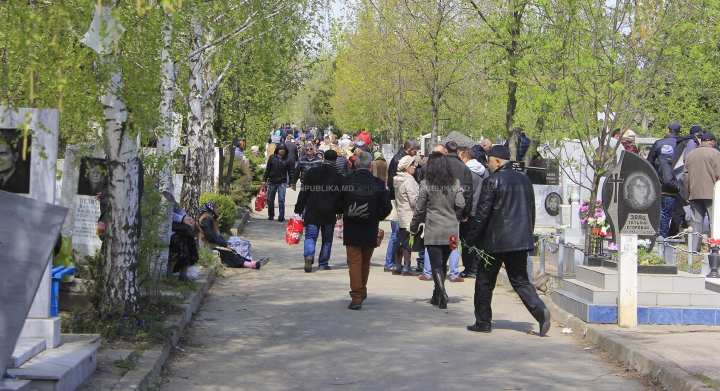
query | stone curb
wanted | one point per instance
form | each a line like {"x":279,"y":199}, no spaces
{"x":628,"y":352}
{"x":150,"y":364}
{"x":241,"y":223}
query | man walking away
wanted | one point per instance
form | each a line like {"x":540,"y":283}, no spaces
{"x":363,"y":200}
{"x":292,"y":150}
{"x":685,"y":145}
{"x":315,"y":198}
{"x":479,"y":173}
{"x":277,"y":174}
{"x":503,"y":227}
{"x":671,"y":137}
{"x":702,"y":170}
{"x":669,"y":188}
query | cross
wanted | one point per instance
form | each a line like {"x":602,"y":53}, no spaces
{"x":615,"y":182}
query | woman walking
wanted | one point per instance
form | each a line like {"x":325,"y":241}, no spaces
{"x":439,"y":204}
{"x":406,"y":196}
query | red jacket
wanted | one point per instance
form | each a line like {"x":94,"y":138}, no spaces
{"x":364,"y":136}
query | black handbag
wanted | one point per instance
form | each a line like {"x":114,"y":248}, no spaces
{"x":183,"y":229}
{"x":418,"y":242}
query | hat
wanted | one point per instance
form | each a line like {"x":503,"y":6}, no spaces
{"x":674,"y":127}
{"x":707,"y":136}
{"x":629,"y":135}
{"x":499,"y":151}
{"x":667,"y":151}
{"x":377,"y":155}
{"x":405,"y":162}
{"x":696,"y":129}
{"x":330,"y":155}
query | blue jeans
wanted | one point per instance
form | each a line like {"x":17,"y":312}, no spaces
{"x":667,"y":203}
{"x":311,"y":234}
{"x":453,"y":260}
{"x":278,"y":188}
{"x":390,"y":254}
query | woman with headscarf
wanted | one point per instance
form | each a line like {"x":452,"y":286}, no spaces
{"x":183,"y":247}
{"x":379,"y":167}
{"x":211,"y":238}
{"x":406,"y":196}
{"x":439,"y":205}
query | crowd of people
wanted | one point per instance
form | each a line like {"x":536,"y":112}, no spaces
{"x":445,"y":207}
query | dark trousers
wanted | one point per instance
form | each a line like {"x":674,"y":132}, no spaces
{"x":438,"y":257}
{"x":678,"y":222}
{"x":469,"y":259}
{"x":516,"y":267}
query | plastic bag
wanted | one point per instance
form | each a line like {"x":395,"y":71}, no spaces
{"x":338,"y":233}
{"x":241,"y":246}
{"x":294,"y":230}
{"x":261,"y":199}
{"x":192,"y":273}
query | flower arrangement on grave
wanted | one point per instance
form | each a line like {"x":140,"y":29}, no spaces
{"x":594,"y":217}
{"x":645,"y":257}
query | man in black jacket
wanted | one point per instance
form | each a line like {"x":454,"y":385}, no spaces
{"x":671,"y":138}
{"x":462,"y":173}
{"x":316,"y":196}
{"x":306,"y":162}
{"x":277,"y":174}
{"x":364,"y":201}
{"x":503,"y":227}
{"x":669,"y":188}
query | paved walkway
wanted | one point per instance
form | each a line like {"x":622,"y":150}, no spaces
{"x":283,"y":329}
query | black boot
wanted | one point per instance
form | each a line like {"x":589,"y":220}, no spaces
{"x":435,"y":300}
{"x":439,"y":278}
{"x":407,"y":269}
{"x":397,"y":268}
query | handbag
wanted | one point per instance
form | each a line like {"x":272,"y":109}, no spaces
{"x":261,"y":199}
{"x":418,"y":241}
{"x":381,"y":235}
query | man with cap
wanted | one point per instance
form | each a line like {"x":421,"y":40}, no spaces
{"x":503,"y":227}
{"x":316,"y":195}
{"x":277,"y":174}
{"x":702,"y":170}
{"x":669,"y":187}
{"x":671,"y":138}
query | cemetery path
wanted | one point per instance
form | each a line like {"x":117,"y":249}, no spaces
{"x":283,"y":329}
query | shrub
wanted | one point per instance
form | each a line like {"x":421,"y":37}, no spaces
{"x":228,"y":209}
{"x":241,"y":183}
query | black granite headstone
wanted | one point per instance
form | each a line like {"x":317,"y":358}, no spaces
{"x":631,"y":197}
{"x":553,"y":175}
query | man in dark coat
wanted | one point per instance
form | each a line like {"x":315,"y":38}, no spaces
{"x":503,"y":227}
{"x":292,"y":150}
{"x":669,"y":188}
{"x":277,"y":174}
{"x":671,"y":138}
{"x":462,"y":173}
{"x":364,"y":201}
{"x":315,"y":198}
{"x":480,"y":150}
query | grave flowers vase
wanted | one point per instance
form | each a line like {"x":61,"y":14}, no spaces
{"x":714,"y":258}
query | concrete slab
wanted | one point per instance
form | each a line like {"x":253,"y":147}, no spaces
{"x":14,"y":385}
{"x":26,"y":349}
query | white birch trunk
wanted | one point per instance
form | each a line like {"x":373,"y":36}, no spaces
{"x":209,"y":175}
{"x":195,"y":160}
{"x":121,"y":283}
{"x":165,"y":131}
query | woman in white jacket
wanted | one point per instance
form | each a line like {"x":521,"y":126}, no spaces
{"x":406,"y":195}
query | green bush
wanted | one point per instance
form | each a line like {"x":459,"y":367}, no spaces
{"x":228,"y":209}
{"x":241,"y":183}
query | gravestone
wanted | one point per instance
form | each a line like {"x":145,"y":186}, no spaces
{"x":552,"y":176}
{"x":25,"y":251}
{"x":547,"y":205}
{"x":84,"y":208}
{"x":631,"y":198}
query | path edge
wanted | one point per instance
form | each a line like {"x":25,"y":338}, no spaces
{"x":647,"y":363}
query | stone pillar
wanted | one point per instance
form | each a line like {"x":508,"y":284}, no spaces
{"x":715,"y":218}
{"x":627,"y":280}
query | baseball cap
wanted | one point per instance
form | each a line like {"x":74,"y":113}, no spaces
{"x":674,"y":127}
{"x":707,"y":136}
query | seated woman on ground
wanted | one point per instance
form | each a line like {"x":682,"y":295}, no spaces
{"x":210,"y":236}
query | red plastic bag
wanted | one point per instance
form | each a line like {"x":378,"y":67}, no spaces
{"x":294,"y":230}
{"x":261,"y":199}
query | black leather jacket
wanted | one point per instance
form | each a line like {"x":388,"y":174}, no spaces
{"x":505,"y":215}
{"x":278,"y":169}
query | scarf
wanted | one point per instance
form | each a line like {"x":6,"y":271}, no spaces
{"x":208,"y":207}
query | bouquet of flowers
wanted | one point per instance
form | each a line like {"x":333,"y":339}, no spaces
{"x":593,"y":216}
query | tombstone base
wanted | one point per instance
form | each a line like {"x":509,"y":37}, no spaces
{"x":14,"y":385}
{"x":48,"y":329}
{"x":644,"y":269}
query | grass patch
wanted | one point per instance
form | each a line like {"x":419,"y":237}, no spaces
{"x":207,"y":257}
{"x":125,"y":365}
{"x":707,"y":382}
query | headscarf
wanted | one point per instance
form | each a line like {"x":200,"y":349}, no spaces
{"x":208,"y":207}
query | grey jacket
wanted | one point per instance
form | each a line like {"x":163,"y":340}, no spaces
{"x":439,"y":212}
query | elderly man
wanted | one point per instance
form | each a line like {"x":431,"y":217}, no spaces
{"x":503,"y":227}
{"x":306,"y":162}
{"x":702,"y":170}
{"x":316,"y":196}
{"x":363,"y":200}
{"x":481,"y":149}
{"x":479,"y":173}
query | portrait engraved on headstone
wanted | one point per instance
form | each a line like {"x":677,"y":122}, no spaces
{"x":15,"y":161}
{"x":631,"y":197}
{"x":552,"y":204}
{"x":93,"y":176}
